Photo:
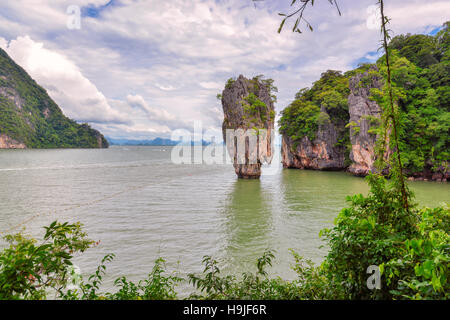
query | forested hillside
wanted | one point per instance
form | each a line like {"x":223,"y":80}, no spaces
{"x":29,"y":118}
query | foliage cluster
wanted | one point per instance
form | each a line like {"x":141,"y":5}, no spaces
{"x":254,"y":107}
{"x":421,"y":82}
{"x":28,"y":270}
{"x":325,"y":102}
{"x":32,"y":270}
{"x":411,"y":247}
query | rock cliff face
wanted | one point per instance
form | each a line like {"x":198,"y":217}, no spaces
{"x":8,"y":143}
{"x":248,"y":124}
{"x":323,"y":153}
{"x":364,"y":114}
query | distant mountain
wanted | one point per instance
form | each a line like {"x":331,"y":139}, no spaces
{"x":154,"y":142}
{"x":29,"y":118}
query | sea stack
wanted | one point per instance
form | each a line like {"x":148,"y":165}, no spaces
{"x":248,"y":126}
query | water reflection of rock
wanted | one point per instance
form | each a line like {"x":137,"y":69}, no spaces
{"x":249,"y":224}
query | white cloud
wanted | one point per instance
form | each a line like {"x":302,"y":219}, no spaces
{"x":211,"y":85}
{"x":179,"y":54}
{"x":3,"y":43}
{"x":156,"y":115}
{"x":165,"y":88}
{"x":75,"y":94}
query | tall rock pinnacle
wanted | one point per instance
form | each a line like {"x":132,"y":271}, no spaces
{"x":248,"y":124}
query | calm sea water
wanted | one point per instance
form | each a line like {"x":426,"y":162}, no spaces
{"x":141,"y":207}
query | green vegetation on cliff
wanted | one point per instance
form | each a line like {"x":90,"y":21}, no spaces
{"x":421,"y":83}
{"x":303,"y":116}
{"x":28,"y":115}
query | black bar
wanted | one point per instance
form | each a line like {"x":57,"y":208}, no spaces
{"x":192,"y":310}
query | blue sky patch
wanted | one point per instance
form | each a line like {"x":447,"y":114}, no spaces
{"x":93,"y":11}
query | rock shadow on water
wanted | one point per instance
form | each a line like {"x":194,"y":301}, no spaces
{"x":248,"y":224}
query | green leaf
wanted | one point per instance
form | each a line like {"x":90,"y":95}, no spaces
{"x":281,"y":25}
{"x":296,"y":24}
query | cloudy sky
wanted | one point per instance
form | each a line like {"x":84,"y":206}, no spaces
{"x":139,"y":69}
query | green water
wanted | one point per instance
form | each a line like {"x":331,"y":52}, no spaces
{"x":142,"y":206}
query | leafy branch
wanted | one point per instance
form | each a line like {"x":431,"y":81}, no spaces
{"x":299,"y":13}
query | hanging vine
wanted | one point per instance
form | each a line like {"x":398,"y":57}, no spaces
{"x":390,"y":115}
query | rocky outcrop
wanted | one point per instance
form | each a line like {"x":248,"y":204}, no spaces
{"x":323,"y":153}
{"x":248,"y":125}
{"x":12,"y":95}
{"x":364,"y":116}
{"x":8,"y":143}
{"x":440,"y":174}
